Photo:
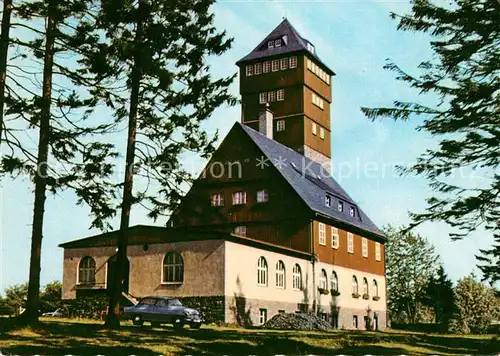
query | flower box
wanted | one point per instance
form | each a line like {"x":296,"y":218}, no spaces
{"x":355,"y":295}
{"x":376,"y":298}
{"x":322,"y":291}
{"x":334,"y":292}
{"x":366,"y":296}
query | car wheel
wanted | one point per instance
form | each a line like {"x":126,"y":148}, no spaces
{"x":138,"y":321}
{"x":195,"y":325}
{"x":178,"y":324}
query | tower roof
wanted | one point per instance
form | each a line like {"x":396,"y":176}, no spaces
{"x":292,"y":42}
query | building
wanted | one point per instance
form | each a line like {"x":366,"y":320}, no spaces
{"x":265,"y":228}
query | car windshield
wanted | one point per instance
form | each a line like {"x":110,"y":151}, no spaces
{"x":148,"y":301}
{"x":175,"y":303}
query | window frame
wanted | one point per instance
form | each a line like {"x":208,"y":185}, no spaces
{"x":280,"y":275}
{"x":364,"y":247}
{"x":270,"y":44}
{"x":340,"y":206}
{"x":262,"y":316}
{"x":323,"y":279}
{"x":249,"y":70}
{"x":355,"y":285}
{"x":277,"y":42}
{"x":262,"y":196}
{"x":293,"y":62}
{"x":328,"y":201}
{"x":219,"y":201}
{"x":275,"y":65}
{"x":87,"y":271}
{"x":334,"y":282}
{"x":257,"y":68}
{"x":240,"y":230}
{"x":174,"y":265}
{"x":297,"y":277}
{"x":321,"y":133}
{"x":280,"y":125}
{"x":335,"y":238}
{"x":375,"y":287}
{"x":350,"y":242}
{"x":378,"y":251}
{"x":262,"y":272}
{"x":266,"y":67}
{"x":283,"y":63}
{"x":262,"y":98}
{"x":280,"y":95}
{"x":314,"y":129}
{"x":271,"y":96}
{"x":352,"y":211}
{"x":322,"y":234}
{"x":243,"y":197}
{"x":366,"y":287}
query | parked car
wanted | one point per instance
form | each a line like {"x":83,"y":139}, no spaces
{"x":163,"y":310}
{"x":58,"y":313}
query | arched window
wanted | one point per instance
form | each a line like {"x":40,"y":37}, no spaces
{"x":365,"y":286}
{"x":280,"y":274}
{"x":86,"y":271}
{"x":323,"y":280}
{"x":262,"y":272}
{"x":297,"y":277}
{"x":354,"y":285}
{"x":334,"y":282}
{"x":375,"y":288}
{"x":173,"y":268}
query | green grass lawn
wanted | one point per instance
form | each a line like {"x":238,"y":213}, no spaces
{"x":77,"y":337}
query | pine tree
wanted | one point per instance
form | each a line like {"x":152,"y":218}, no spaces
{"x":464,"y":76}
{"x":158,"y":49}
{"x":4,"y":50}
{"x":411,"y":262}
{"x":439,"y":295}
{"x":67,"y":158}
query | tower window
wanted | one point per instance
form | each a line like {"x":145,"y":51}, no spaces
{"x":249,"y":70}
{"x":280,"y":125}
{"x":277,"y":43}
{"x":257,"y":68}
{"x":263,"y":98}
{"x":271,"y":96}
{"x":270,"y":44}
{"x":275,"y":65}
{"x":267,"y":67}
{"x":314,"y":129}
{"x":293,"y":62}
{"x":309,"y":64}
{"x":284,"y":63}
{"x":322,"y":133}
{"x":281,"y":95}
{"x":317,"y":100}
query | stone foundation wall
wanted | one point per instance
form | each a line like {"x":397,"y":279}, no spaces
{"x":246,"y":312}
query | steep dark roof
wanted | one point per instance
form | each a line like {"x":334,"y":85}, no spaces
{"x":312,"y":183}
{"x":295,"y":43}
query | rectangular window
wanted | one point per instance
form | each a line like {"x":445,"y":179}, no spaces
{"x":322,"y":234}
{"x":267,"y":67}
{"x":280,"y":125}
{"x":293,"y":62}
{"x":364,"y":247}
{"x":275,"y":65}
{"x":350,"y":242}
{"x":240,"y":230}
{"x":217,"y":199}
{"x":262,"y":316}
{"x":321,"y":133}
{"x":355,"y":321}
{"x":284,"y":63}
{"x":277,"y":43}
{"x":340,"y":206}
{"x":262,"y":196}
{"x":281,"y":95}
{"x":257,"y":68}
{"x":249,"y":70}
{"x":270,"y":44}
{"x":328,"y":201}
{"x":271,"y":96}
{"x":352,"y":211}
{"x":378,"y":252}
{"x":309,"y":64}
{"x":314,"y":129}
{"x":335,"y":237}
{"x":239,"y":198}
{"x":263,"y":98}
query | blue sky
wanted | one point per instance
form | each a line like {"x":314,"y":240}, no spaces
{"x":354,"y":38}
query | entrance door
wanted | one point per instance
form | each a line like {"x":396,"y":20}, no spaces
{"x":112,"y":265}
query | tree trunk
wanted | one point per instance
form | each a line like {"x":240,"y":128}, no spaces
{"x":4,"y":50}
{"x":112,"y":318}
{"x":31,"y":313}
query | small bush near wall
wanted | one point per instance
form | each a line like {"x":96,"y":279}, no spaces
{"x":91,"y":307}
{"x":212,"y":307}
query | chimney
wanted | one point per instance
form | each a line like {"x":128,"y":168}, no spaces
{"x":266,"y":122}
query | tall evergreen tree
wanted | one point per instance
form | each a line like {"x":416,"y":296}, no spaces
{"x":159,"y":50}
{"x":66,"y":156}
{"x":4,"y":51}
{"x":464,"y":76}
{"x":411,"y":263}
{"x":439,"y":296}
